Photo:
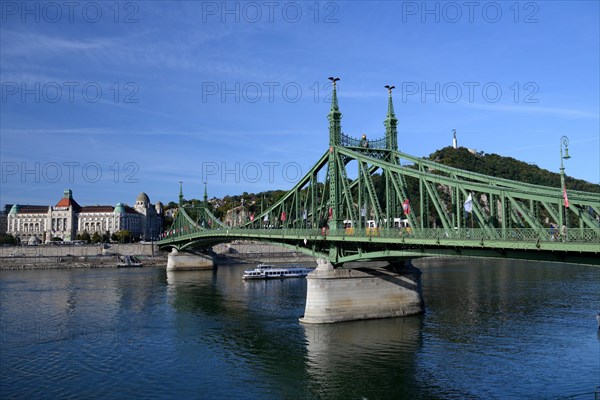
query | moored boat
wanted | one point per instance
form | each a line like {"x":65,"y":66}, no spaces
{"x":129,"y":262}
{"x":267,"y":271}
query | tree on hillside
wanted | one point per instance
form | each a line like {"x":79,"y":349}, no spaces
{"x":506,"y":168}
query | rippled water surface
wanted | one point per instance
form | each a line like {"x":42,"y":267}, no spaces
{"x":493,"y":329}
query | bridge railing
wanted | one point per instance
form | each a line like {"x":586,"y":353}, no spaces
{"x":510,"y":234}
{"x":515,"y":234}
{"x":349,"y":141}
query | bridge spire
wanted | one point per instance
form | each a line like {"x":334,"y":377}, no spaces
{"x":205,"y":196}
{"x":390,"y":123}
{"x":181,"y":193}
{"x":335,"y":138}
{"x":334,"y":117}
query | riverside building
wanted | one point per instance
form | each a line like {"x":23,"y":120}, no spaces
{"x":67,"y":219}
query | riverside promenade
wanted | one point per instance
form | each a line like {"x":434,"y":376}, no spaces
{"x":107,"y":255}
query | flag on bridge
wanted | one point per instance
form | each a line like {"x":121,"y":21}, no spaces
{"x":283,"y":216}
{"x":565,"y":197}
{"x":406,"y":206}
{"x":469,"y":203}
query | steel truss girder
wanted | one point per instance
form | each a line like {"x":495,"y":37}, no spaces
{"x":348,"y":196}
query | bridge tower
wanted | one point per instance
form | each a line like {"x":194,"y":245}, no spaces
{"x":335,"y":134}
{"x":391,"y":123}
{"x":391,"y":144}
{"x":180,"y":194}
{"x":191,"y":259}
{"x":360,"y":290}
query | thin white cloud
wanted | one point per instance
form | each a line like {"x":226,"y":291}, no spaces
{"x":23,"y":44}
{"x":64,"y":131}
{"x":555,"y":111}
{"x":546,"y":145}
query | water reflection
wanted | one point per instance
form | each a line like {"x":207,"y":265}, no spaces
{"x":195,"y":291}
{"x":190,"y":278}
{"x":521,"y":318}
{"x":488,"y":296}
{"x":493,"y":329}
{"x":353,"y":359}
{"x":228,"y":322}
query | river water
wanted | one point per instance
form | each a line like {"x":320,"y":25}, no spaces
{"x":492,"y":330}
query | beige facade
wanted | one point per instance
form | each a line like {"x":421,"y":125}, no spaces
{"x":68,"y":219}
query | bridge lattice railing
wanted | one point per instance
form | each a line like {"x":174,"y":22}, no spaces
{"x":349,"y":141}
{"x":575,"y":235}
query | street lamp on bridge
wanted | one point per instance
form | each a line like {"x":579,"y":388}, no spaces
{"x":564,"y":141}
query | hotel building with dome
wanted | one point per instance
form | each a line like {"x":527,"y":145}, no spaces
{"x":67,"y":219}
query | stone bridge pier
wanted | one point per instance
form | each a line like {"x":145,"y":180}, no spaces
{"x":362,"y":291}
{"x":189,"y":261}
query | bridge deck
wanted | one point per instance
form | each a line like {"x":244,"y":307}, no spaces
{"x":578,"y":245}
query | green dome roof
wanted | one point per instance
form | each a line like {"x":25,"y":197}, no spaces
{"x":119,"y":209}
{"x":14,"y":209}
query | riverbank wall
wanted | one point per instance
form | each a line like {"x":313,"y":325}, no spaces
{"x":247,"y":252}
{"x":107,"y":256}
{"x":77,"y":256}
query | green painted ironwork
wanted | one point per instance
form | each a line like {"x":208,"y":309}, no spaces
{"x":353,"y":205}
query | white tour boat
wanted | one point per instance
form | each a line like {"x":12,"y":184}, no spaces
{"x":267,"y":271}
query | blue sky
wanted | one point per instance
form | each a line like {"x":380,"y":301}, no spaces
{"x":110,"y":99}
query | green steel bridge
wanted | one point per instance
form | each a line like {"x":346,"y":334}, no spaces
{"x":364,"y":200}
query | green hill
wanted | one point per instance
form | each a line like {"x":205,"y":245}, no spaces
{"x":507,"y":168}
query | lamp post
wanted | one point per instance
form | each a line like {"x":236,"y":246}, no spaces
{"x":564,"y":141}
{"x":203,"y":214}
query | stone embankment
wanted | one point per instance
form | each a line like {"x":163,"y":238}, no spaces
{"x":257,"y":252}
{"x":77,"y":256}
{"x":107,"y":256}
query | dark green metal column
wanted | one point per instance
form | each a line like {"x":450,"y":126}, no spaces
{"x":391,"y":123}
{"x":180,"y":193}
{"x":335,"y":134}
{"x":391,"y":144}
